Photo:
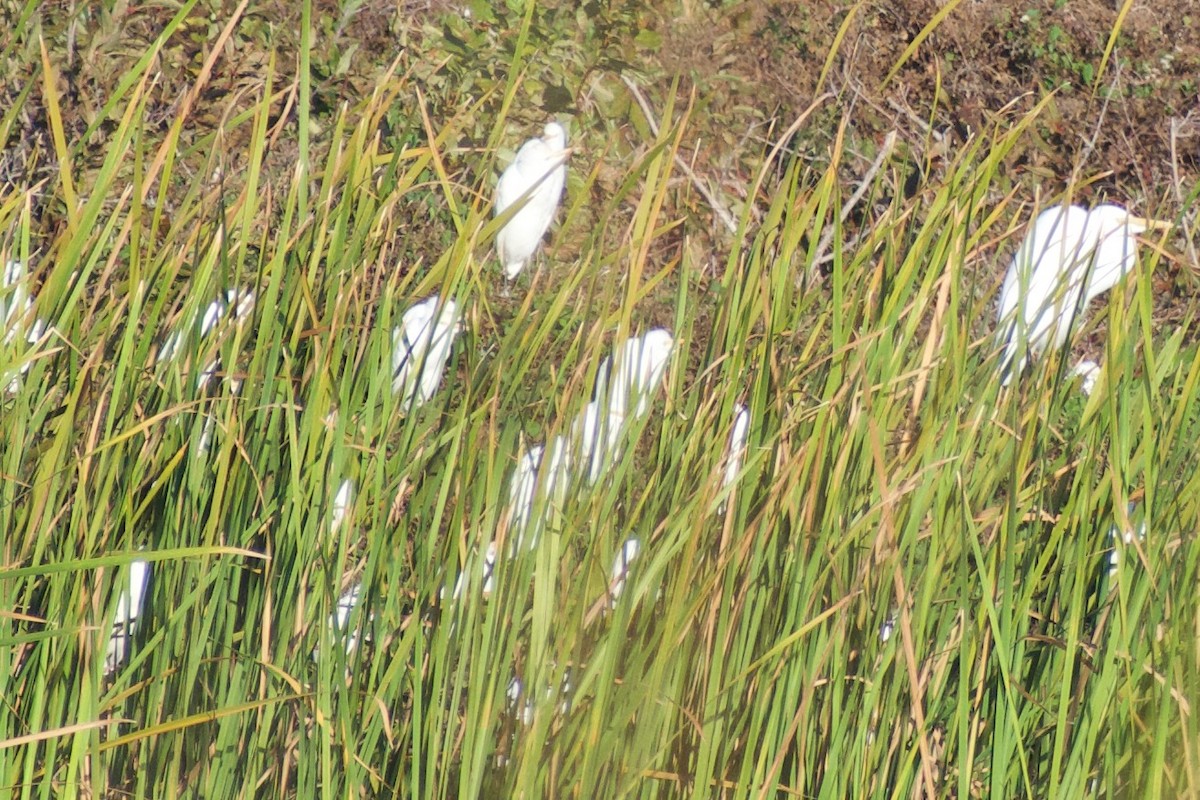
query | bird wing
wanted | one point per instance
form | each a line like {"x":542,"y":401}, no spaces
{"x":522,"y":174}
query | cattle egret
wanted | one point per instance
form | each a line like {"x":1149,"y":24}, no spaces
{"x":599,"y":435}
{"x":15,"y":302}
{"x":538,"y":479}
{"x":640,"y":364}
{"x":340,"y":620}
{"x":888,"y":627}
{"x":524,"y":711}
{"x":240,"y":300}
{"x":737,"y":448}
{"x":129,"y":608}
{"x":421,"y":348}
{"x":538,"y":174}
{"x":487,"y":569}
{"x":620,"y":569}
{"x":1127,"y":540}
{"x":1089,"y":373}
{"x":343,"y":502}
{"x":522,"y":492}
{"x":1069,"y":257}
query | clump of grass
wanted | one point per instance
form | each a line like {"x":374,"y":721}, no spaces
{"x":887,"y":483}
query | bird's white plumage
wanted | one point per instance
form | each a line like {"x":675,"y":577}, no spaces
{"x":522,"y":492}
{"x":1069,"y":256}
{"x":343,"y":502}
{"x":242,"y":301}
{"x":487,"y":569}
{"x":543,"y":475}
{"x":1089,"y":373}
{"x":129,"y":608}
{"x":341,"y":620}
{"x":598,"y":433}
{"x":620,"y":568}
{"x":421,"y":347}
{"x":1127,"y":540}
{"x":640,"y":364}
{"x":737,"y":448}
{"x":540,"y":169}
{"x":213,"y":318}
{"x":622,"y":394}
{"x":539,"y":481}
{"x":15,"y":302}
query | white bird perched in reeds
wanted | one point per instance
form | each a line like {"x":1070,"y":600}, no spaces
{"x":640,"y":364}
{"x":737,"y":448}
{"x":1089,"y":373}
{"x":598,"y":434}
{"x":129,"y":608}
{"x":15,"y":302}
{"x":421,"y":347}
{"x":620,"y":569}
{"x":621,"y":394}
{"x":242,"y":301}
{"x":343,"y":504}
{"x":487,"y":570}
{"x":539,"y":479}
{"x":1127,"y":539}
{"x":1069,"y":256}
{"x":538,"y":173}
{"x":340,"y":621}
{"x":522,"y":492}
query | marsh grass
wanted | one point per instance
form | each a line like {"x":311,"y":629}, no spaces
{"x":888,"y":482}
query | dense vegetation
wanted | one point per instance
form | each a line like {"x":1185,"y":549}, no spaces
{"x":910,"y":588}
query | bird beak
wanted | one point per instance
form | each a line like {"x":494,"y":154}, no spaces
{"x":1151,"y":224}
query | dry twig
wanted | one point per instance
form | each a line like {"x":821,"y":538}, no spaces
{"x":720,"y":210}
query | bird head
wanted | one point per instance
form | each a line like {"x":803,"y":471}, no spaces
{"x":1113,"y":229}
{"x":555,"y":136}
{"x":1110,"y":218}
{"x":657,"y":347}
{"x":419,"y":317}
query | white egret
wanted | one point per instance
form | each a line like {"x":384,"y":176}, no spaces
{"x":129,"y":608}
{"x":1068,"y":257}
{"x":343,"y":502}
{"x":421,"y":348}
{"x":538,"y":479}
{"x":487,"y":569}
{"x":1127,"y":538}
{"x":213,"y":320}
{"x":538,"y":174}
{"x":522,"y":492}
{"x":15,"y":302}
{"x":737,"y":448}
{"x":241,"y":300}
{"x":888,"y":627}
{"x":599,"y":436}
{"x":641,"y":363}
{"x":340,"y":620}
{"x":524,"y":711}
{"x":620,"y":568}
{"x":1089,"y":373}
